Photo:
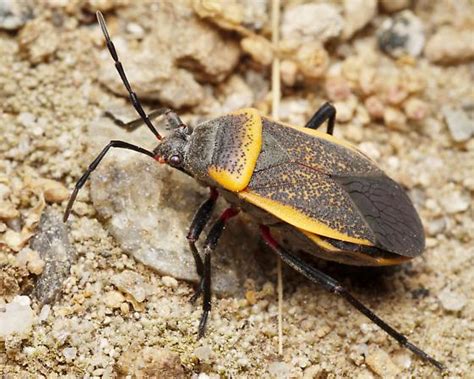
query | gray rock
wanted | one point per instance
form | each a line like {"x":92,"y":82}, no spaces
{"x":148,"y":208}
{"x":402,"y":34}
{"x":14,"y":14}
{"x":460,"y":125}
{"x":52,"y":243}
{"x":174,"y":57}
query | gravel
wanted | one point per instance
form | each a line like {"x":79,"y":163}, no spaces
{"x":118,"y":315}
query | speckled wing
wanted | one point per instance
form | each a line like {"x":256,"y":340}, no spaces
{"x":325,"y":186}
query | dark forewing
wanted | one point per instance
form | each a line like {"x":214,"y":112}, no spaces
{"x":313,"y":194}
{"x":337,"y":186}
{"x":389,"y":212}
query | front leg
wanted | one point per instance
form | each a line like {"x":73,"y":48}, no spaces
{"x":209,"y":246}
{"x":200,"y":220}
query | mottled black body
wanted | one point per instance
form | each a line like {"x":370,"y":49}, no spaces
{"x":314,"y":190}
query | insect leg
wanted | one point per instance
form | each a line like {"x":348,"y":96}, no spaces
{"x":209,"y":247}
{"x":334,"y":286}
{"x":118,"y":65}
{"x":200,"y":220}
{"x":326,"y":112}
{"x":93,"y":166}
{"x":171,"y":116}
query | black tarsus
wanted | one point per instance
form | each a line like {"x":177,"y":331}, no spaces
{"x":200,"y":220}
{"x":118,"y":65}
{"x":95,"y":163}
{"x":171,"y":116}
{"x":325,"y":112}
{"x":334,"y":286}
{"x":209,"y":246}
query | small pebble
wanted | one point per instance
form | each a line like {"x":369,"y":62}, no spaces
{"x":436,"y":226}
{"x":259,"y":48}
{"x":203,"y":353}
{"x":16,"y":318}
{"x":449,"y":45}
{"x":169,"y":281}
{"x":452,"y":301}
{"x":44,"y":313}
{"x":279,"y":370}
{"x":309,"y":22}
{"x":312,"y":60}
{"x":394,"y":119}
{"x":113,"y":299}
{"x":375,"y":107}
{"x":460,"y":125}
{"x":402,"y":359}
{"x":131,"y":283}
{"x":135,"y":29}
{"x":313,"y":372}
{"x":402,"y":34}
{"x":415,"y":109}
{"x":337,"y":88}
{"x":70,"y":353}
{"x":14,"y":14}
{"x":345,"y":109}
{"x":357,"y":14}
{"x":125,"y":308}
{"x":52,"y":243}
{"x":31,"y":260}
{"x":455,"y":202}
{"x":288,"y":71}
{"x":8,"y":211}
{"x":149,"y":362}
{"x":394,"y":5}
{"x":27,"y":119}
{"x":370,"y":149}
{"x":38,"y":40}
{"x":381,"y":363}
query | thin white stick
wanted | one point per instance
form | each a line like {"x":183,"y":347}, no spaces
{"x":276,"y":95}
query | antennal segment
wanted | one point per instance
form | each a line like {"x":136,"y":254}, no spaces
{"x":118,"y":65}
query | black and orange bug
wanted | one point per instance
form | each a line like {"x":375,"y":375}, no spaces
{"x":305,"y":186}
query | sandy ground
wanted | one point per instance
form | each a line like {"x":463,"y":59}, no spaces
{"x":54,"y":84}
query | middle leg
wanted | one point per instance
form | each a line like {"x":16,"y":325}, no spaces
{"x":200,"y":220}
{"x":209,"y":246}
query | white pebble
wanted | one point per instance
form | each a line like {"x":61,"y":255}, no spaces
{"x":44,"y":313}
{"x":69,"y":353}
{"x":169,"y":281}
{"x":455,"y":202}
{"x":310,"y":22}
{"x":203,"y":353}
{"x":27,"y":119}
{"x":279,"y":370}
{"x":460,"y":125}
{"x":452,"y":301}
{"x":16,"y":317}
